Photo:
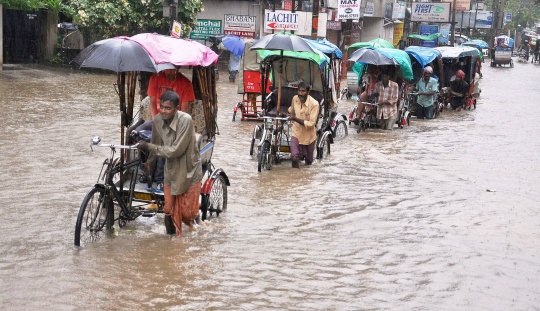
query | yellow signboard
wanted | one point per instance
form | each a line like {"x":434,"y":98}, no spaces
{"x":398,"y":32}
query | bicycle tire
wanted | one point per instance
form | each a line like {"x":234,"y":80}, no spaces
{"x":96,"y":215}
{"x":217,"y":198}
{"x":264,"y":157}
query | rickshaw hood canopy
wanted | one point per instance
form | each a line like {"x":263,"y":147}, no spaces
{"x":318,"y":57}
{"x":423,"y":55}
{"x":179,"y":52}
{"x":325,"y":46}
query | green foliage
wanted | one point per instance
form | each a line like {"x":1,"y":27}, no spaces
{"x":100,"y":19}
{"x":55,"y":6}
{"x":524,"y":12}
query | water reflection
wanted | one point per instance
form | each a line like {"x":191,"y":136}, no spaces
{"x":391,"y":220}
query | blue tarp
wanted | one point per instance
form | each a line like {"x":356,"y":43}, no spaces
{"x":479,"y":44}
{"x":325,"y":46}
{"x":423,"y":55}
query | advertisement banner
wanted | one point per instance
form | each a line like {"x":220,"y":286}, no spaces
{"x":484,"y":19}
{"x":207,"y":28}
{"x":398,"y":32}
{"x":349,"y":9}
{"x":176,"y":31}
{"x":461,"y":5}
{"x":445,"y":33}
{"x":368,"y":11}
{"x":398,"y":11}
{"x":434,"y":12}
{"x":426,"y":30}
{"x":299,"y":22}
{"x":239,"y":25}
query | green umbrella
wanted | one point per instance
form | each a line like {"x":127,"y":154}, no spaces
{"x":376,"y":43}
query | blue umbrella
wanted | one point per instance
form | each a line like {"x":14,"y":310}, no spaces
{"x":234,"y":44}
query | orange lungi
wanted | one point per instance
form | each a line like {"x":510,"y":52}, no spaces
{"x":182,"y":208}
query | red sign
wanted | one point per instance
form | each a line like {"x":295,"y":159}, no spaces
{"x":247,"y":34}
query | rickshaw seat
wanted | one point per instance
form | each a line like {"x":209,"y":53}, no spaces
{"x":287,"y":94}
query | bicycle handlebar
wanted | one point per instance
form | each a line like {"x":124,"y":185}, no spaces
{"x":113,"y":146}
{"x":96,"y":141}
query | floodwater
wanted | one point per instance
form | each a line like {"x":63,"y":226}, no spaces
{"x":442,"y":215}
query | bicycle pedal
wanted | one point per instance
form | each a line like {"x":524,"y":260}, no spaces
{"x":148,"y":214}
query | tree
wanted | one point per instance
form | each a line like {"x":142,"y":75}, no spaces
{"x":99,"y":19}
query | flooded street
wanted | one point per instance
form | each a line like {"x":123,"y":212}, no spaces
{"x":442,"y":215}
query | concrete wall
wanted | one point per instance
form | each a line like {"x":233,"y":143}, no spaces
{"x":372,"y":28}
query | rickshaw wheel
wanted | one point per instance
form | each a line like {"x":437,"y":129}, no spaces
{"x":324,"y":150}
{"x":265,"y":160}
{"x":251,"y":149}
{"x":511,"y":64}
{"x":217,"y":198}
{"x":96,"y":216}
{"x":340,"y":130}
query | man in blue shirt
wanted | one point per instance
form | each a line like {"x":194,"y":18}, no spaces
{"x":427,"y":87}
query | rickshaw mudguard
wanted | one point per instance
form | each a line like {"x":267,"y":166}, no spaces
{"x":205,"y":189}
{"x":257,"y":129}
{"x":325,"y":134}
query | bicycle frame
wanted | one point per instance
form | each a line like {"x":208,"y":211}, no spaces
{"x":112,"y":170}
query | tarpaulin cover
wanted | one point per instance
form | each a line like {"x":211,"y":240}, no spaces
{"x":423,"y":55}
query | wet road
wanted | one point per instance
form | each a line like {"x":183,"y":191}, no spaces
{"x":398,"y":220}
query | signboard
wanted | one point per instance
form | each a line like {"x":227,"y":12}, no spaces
{"x":287,"y":5}
{"x":426,"y":30}
{"x":176,"y":31}
{"x":300,"y":22}
{"x":368,"y":11}
{"x":239,"y":25}
{"x":349,"y":9}
{"x":445,"y":33}
{"x":207,"y":28}
{"x":398,"y":33}
{"x":282,"y":20}
{"x":333,"y":25}
{"x":434,"y":12}
{"x":484,"y":19}
{"x":398,"y":12}
{"x":508,"y":17}
{"x":461,"y":5}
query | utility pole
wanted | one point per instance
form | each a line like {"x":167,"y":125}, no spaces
{"x":453,"y":27}
{"x":315,"y":19}
{"x":493,"y":29}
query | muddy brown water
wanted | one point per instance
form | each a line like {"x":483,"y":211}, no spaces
{"x":442,"y":215}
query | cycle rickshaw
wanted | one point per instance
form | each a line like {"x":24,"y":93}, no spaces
{"x":501,"y":53}
{"x":392,"y":60}
{"x":467,"y":59}
{"x":120,"y":195}
{"x":420,"y":58}
{"x":271,"y":140}
{"x":250,"y":86}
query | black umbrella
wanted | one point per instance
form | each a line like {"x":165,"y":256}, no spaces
{"x":372,"y":57}
{"x":120,"y":55}
{"x":282,"y":41}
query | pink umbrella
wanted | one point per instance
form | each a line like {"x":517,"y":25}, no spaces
{"x":179,"y":52}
